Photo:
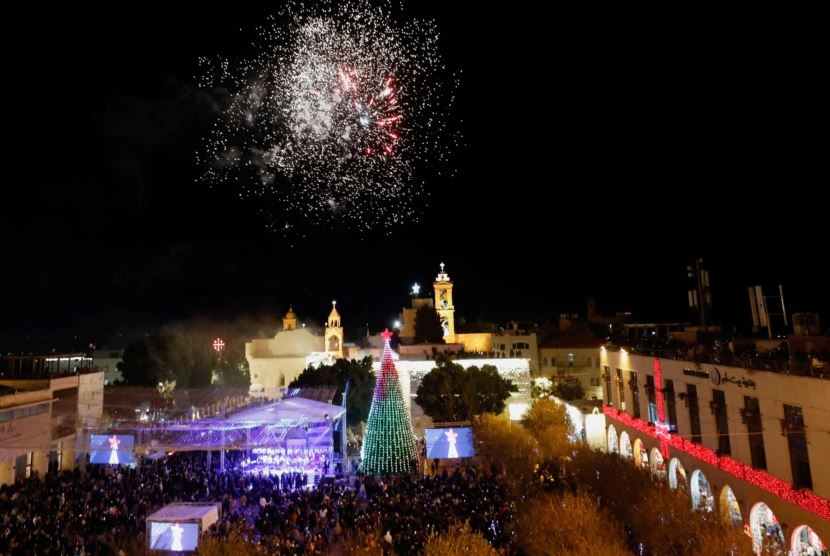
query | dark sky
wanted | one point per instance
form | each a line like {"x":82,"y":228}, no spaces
{"x":603,"y":151}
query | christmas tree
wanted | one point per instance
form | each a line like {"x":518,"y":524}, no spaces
{"x":389,"y":444}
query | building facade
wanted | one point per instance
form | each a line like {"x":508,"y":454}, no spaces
{"x":42,"y":421}
{"x":752,"y":445}
{"x":574,"y":357}
{"x":275,"y":362}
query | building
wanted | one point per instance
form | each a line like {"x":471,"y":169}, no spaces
{"x":41,"y":420}
{"x":519,"y":343}
{"x":275,"y":362}
{"x":442,"y":303}
{"x":412,"y":371}
{"x":750,"y":444}
{"x":574,"y":356}
{"x":107,"y":360}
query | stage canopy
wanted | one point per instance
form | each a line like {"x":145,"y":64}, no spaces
{"x":288,"y":412}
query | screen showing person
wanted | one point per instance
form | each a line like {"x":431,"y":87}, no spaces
{"x":111,"y":449}
{"x":173,"y":536}
{"x":450,"y":443}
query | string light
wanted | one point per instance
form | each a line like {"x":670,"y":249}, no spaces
{"x":804,"y":499}
{"x":389,"y":445}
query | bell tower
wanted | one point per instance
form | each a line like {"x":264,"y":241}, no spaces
{"x":443,"y":304}
{"x":289,"y":321}
{"x":334,"y":333}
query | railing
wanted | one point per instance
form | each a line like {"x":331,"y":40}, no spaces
{"x":63,"y":426}
{"x":729,"y":359}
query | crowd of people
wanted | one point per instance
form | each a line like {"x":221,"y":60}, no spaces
{"x":103,"y":509}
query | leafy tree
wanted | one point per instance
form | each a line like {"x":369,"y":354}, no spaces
{"x":508,"y":447}
{"x":486,"y":390}
{"x":569,"y":390}
{"x":361,"y":385}
{"x":550,"y":424}
{"x":156,"y":358}
{"x":232,"y":369}
{"x":459,"y":540}
{"x":449,"y":392}
{"x":570,"y":524}
{"x":428,"y":329}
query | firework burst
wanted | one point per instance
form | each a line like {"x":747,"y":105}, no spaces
{"x":340,"y":115}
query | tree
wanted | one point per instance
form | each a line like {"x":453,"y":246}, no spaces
{"x":389,"y":444}
{"x":428,"y":329}
{"x":156,"y":358}
{"x":449,"y":392}
{"x":486,"y":390}
{"x":440,"y":392}
{"x":232,"y":370}
{"x":508,"y":447}
{"x":361,"y":380}
{"x":459,"y":540}
{"x":551,"y":425}
{"x":658,"y":518}
{"x":568,"y":524}
{"x":569,"y":389}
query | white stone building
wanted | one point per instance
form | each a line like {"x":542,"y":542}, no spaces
{"x":750,"y":444}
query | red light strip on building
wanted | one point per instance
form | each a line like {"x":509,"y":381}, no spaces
{"x":804,"y":499}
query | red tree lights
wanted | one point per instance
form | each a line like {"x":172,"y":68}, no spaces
{"x":804,"y":499}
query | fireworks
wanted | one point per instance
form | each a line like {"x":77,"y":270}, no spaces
{"x":340,"y":115}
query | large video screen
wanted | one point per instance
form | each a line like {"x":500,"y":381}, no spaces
{"x":450,"y":443}
{"x":115,"y":449}
{"x":174,"y":536}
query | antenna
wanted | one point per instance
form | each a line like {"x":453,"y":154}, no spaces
{"x":760,"y":312}
{"x":700,"y":294}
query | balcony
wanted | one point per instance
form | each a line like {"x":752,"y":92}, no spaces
{"x":789,"y":366}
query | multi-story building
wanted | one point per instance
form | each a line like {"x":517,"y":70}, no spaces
{"x":41,"y":418}
{"x":752,"y":445}
{"x":515,"y":342}
{"x":574,"y":356}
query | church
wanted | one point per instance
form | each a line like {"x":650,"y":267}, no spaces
{"x":275,"y":362}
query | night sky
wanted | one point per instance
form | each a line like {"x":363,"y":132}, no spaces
{"x":602,"y":152}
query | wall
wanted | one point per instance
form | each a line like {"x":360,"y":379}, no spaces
{"x":481,"y":342}
{"x":773,"y":390}
{"x":503,"y":344}
{"x":554,"y":364}
{"x":412,"y":372}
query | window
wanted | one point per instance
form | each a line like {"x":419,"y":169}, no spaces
{"x":553,"y":361}
{"x":544,"y":361}
{"x":588,"y":362}
{"x":751,"y":415}
{"x":797,"y":441}
{"x":608,"y":396}
{"x":30,"y":411}
{"x":721,"y":421}
{"x":570,"y":360}
{"x":694,"y":411}
{"x":652,"y":399}
{"x":635,"y":395}
{"x":597,"y":362}
{"x":671,"y":406}
{"x":620,"y":390}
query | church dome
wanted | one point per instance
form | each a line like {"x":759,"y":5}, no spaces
{"x":290,"y":314}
